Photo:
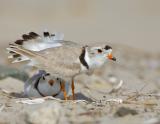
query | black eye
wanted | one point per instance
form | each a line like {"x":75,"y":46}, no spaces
{"x":107,"y":47}
{"x":99,"y":51}
{"x":47,"y":74}
{"x":43,"y":77}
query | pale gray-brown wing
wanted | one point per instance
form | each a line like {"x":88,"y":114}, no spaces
{"x":62,"y":61}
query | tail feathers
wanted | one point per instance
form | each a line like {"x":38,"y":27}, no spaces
{"x":19,"y":50}
{"x":29,"y":44}
{"x":47,"y":37}
{"x":19,"y":54}
{"x":20,"y":59}
{"x":35,"y":42}
{"x":53,"y":37}
{"x":57,"y":36}
{"x":27,"y":37}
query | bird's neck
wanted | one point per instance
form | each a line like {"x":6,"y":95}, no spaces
{"x":84,"y":60}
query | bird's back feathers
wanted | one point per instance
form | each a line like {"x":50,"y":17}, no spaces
{"x":51,"y":58}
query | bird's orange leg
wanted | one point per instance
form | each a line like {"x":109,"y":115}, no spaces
{"x":73,"y":89}
{"x":63,"y":90}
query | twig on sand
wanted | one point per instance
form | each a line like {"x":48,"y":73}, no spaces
{"x":43,"y":99}
{"x":116,"y":100}
{"x":60,"y":100}
{"x":146,"y":103}
{"x":30,"y":102}
{"x":136,"y":95}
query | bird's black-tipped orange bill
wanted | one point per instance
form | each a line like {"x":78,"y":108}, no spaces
{"x":110,"y":56}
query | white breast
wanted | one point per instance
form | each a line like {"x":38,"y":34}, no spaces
{"x":44,"y":87}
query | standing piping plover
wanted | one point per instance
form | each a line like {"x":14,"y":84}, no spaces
{"x":65,"y":61}
{"x":43,"y":84}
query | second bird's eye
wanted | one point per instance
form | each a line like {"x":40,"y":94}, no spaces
{"x":99,"y":51}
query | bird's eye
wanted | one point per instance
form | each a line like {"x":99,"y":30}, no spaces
{"x":99,"y":51}
{"x":43,"y":77}
{"x":47,"y":74}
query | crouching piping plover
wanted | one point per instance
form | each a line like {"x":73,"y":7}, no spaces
{"x":43,"y":84}
{"x":65,"y":61}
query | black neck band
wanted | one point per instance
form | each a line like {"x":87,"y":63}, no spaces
{"x":36,"y":87}
{"x":82,"y":58}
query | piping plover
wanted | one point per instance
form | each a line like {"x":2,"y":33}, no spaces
{"x":43,"y":84}
{"x":65,"y":61}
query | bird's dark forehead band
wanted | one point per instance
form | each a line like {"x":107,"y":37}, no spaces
{"x":107,"y":47}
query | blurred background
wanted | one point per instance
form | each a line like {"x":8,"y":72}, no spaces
{"x":135,"y":23}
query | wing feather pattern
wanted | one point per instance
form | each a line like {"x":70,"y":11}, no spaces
{"x":34,"y":42}
{"x":48,"y":52}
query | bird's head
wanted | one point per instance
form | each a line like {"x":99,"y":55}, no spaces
{"x":97,"y":56}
